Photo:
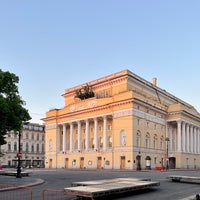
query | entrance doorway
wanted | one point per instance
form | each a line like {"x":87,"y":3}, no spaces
{"x":123,"y":162}
{"x":99,"y":162}
{"x":66,"y":162}
{"x":138,"y":162}
{"x":82,"y":162}
{"x":172,"y":163}
{"x":50,"y":163}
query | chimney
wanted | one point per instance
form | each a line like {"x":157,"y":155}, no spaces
{"x":154,"y":81}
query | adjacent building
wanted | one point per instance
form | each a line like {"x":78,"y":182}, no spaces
{"x":32,"y":145}
{"x":122,"y":121}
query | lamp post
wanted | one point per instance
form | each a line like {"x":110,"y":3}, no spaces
{"x":138,"y":159}
{"x":19,"y":175}
{"x":167,"y":157}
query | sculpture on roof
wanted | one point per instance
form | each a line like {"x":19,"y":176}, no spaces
{"x":85,"y":93}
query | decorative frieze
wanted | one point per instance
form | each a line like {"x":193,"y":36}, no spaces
{"x":83,"y":106}
{"x":140,"y":114}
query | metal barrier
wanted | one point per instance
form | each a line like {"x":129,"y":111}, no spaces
{"x":11,"y":192}
{"x":56,"y":195}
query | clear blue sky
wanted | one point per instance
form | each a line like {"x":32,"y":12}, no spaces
{"x":53,"y":45}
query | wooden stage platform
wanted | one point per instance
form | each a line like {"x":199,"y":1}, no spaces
{"x":107,"y":187}
{"x":185,"y":179}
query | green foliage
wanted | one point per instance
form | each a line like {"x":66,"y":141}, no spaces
{"x":12,"y":112}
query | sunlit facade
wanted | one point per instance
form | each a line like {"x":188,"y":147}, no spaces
{"x":122,"y":121}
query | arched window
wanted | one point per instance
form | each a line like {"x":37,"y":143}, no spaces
{"x":122,"y":138}
{"x":155,"y":141}
{"x":138,"y":136}
{"x":147,"y":140}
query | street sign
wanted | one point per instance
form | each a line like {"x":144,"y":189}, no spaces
{"x":19,"y":155}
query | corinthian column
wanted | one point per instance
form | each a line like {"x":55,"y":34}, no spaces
{"x":71,"y":138}
{"x":179,"y":136}
{"x":95,"y":134}
{"x":104,"y":133}
{"x":191,"y":138}
{"x":183,"y":135}
{"x":188,"y":138}
{"x":64,"y":138}
{"x":87,"y":135}
{"x":79,"y":136}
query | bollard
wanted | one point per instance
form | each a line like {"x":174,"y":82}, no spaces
{"x":197,"y":197}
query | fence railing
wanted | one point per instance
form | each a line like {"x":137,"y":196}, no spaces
{"x":56,"y":195}
{"x":10,"y":192}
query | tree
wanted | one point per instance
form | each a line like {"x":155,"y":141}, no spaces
{"x":12,"y":112}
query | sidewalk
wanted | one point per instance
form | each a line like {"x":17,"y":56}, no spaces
{"x":24,"y":181}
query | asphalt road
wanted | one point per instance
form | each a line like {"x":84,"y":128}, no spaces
{"x":60,"y":179}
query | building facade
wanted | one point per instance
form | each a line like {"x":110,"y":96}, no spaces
{"x":122,"y":121}
{"x":32,"y":145}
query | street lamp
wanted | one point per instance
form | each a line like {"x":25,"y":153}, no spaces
{"x":138,"y":159}
{"x":167,"y":157}
{"x":19,"y":154}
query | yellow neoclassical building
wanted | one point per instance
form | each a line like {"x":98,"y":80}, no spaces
{"x":122,"y":121}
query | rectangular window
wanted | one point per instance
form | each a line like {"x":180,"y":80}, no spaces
{"x":42,"y":147}
{"x":26,"y":147}
{"x":38,"y":148}
{"x":15,"y":146}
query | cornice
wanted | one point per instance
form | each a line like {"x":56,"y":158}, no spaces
{"x":185,"y":113}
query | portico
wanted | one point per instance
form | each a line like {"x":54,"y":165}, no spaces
{"x":84,"y":135}
{"x":184,"y":139}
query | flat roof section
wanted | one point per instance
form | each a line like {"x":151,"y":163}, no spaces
{"x":100,"y":188}
{"x":185,"y":179}
{"x":106,"y":181}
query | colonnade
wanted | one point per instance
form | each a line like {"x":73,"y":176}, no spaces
{"x":185,"y":138}
{"x":80,"y":127}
